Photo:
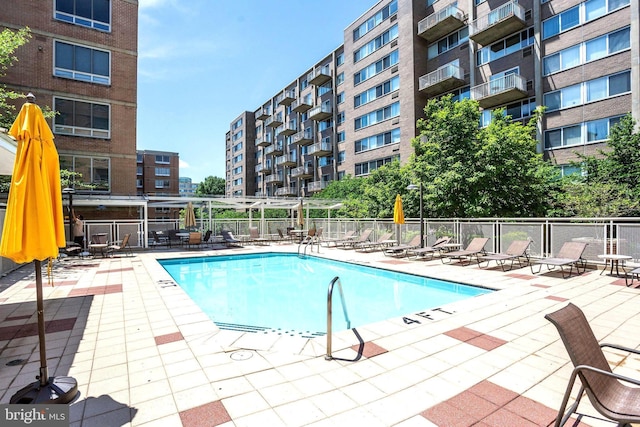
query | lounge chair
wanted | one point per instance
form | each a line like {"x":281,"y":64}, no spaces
{"x":351,"y":243}
{"x":473,"y":249}
{"x":283,"y":237}
{"x":383,"y":240}
{"x":570,"y":254}
{"x":347,"y":237}
{"x":438,"y":246}
{"x":122,"y":246}
{"x":254,"y":237}
{"x":515,"y":252}
{"x":401,"y":250}
{"x":612,"y":395}
{"x":228,"y":238}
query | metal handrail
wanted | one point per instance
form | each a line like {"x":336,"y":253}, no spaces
{"x":330,"y":314}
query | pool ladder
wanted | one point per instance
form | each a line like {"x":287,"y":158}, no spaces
{"x":330,"y":313}
{"x":305,"y":244}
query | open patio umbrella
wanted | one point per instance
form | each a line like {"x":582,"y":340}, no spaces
{"x":189,"y":217}
{"x":398,"y":214}
{"x":34,"y":230}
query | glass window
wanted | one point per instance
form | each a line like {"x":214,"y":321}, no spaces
{"x":571,"y":57}
{"x":571,"y":96}
{"x":551,"y":27}
{"x":619,"y":40}
{"x":597,"y":89}
{"x":81,"y":118}
{"x":88,"y":13}
{"x":619,"y":83}
{"x":594,"y":9}
{"x":598,"y":130}
{"x":596,"y":48}
{"x":552,"y":100}
{"x":81,"y":63}
{"x":553,"y":138}
{"x":551,"y":63}
{"x":572,"y":135}
{"x":570,"y":18}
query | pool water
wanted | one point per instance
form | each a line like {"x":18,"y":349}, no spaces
{"x":286,"y":294}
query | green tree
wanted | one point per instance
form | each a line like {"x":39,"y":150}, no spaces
{"x":349,"y":190}
{"x":10,"y":41}
{"x":211,"y":186}
{"x":383,"y":184}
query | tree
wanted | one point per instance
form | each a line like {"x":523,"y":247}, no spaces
{"x":211,"y":186}
{"x":10,"y":41}
{"x":349,"y":190}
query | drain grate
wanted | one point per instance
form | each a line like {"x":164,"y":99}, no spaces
{"x":266,"y":330}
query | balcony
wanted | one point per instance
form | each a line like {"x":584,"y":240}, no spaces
{"x":316,"y":186}
{"x":289,"y":129}
{"x":321,"y":149}
{"x":274,"y":121}
{"x":262,"y":114}
{"x":263,"y":169}
{"x":498,"y":23}
{"x":276,"y":178}
{"x":263,"y":142}
{"x":441,"y":23}
{"x":275,"y":149}
{"x":302,"y":172}
{"x":286,"y":160}
{"x":287,"y":97}
{"x":321,"y":112}
{"x":500,"y":91}
{"x":444,"y":79}
{"x":286,"y":191}
{"x":319,"y":76}
{"x":304,"y":137}
{"x":300,"y":106}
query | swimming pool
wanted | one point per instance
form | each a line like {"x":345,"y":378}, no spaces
{"x":285,"y":294}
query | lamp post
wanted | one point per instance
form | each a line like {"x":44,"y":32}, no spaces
{"x":70,"y":191}
{"x":416,"y":187}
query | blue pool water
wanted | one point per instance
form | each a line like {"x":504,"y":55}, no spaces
{"x":287,"y":294}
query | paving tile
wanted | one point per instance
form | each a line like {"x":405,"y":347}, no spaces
{"x":213,"y":414}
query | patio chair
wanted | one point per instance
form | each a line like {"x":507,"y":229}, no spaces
{"x":159,"y":240}
{"x":473,"y":249}
{"x":228,"y":238}
{"x":254,"y":237}
{"x":347,"y":236}
{"x":612,"y":395}
{"x":383,"y":240}
{"x":570,"y":254}
{"x":283,"y":237}
{"x":401,"y":250}
{"x":515,"y":252}
{"x":438,"y":246}
{"x":207,"y":237}
{"x":351,"y":243}
{"x":121,"y":247}
{"x":195,"y":239}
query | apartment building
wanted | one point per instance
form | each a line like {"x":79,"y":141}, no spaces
{"x":82,"y":62}
{"x":187,"y":187}
{"x":356,"y":109}
{"x":158,"y":173}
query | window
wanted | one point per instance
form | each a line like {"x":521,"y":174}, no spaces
{"x":376,"y":68}
{"x":237,"y":147}
{"x":325,"y":88}
{"x":160,"y":158}
{"x":462,"y":93}
{"x":340,"y":79}
{"x":95,"y":171}
{"x":571,"y":18}
{"x":590,"y":50}
{"x":368,"y":167}
{"x":237,"y":124}
{"x":375,"y":44}
{"x":341,"y":157}
{"x":505,"y":47}
{"x":138,"y":183}
{"x":237,"y":181}
{"x":378,"y":116}
{"x":139,"y":158}
{"x":517,"y":111}
{"x":339,"y":59}
{"x":163,"y":172}
{"x":237,"y":158}
{"x":304,"y":84}
{"x":81,"y":118}
{"x":340,"y":98}
{"x":376,"y":141}
{"x":375,"y":20}
{"x":582,"y":133}
{"x":340,"y":118}
{"x":138,"y":170}
{"x":341,"y":136}
{"x":81,"y":63}
{"x":236,"y":136}
{"x":162,"y":183}
{"x":589,"y":91}
{"x":448,"y":43}
{"x":88,"y":13}
{"x":379,"y":91}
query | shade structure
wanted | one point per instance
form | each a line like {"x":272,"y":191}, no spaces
{"x":398,"y":212}
{"x":34,"y":230}
{"x":189,"y":216}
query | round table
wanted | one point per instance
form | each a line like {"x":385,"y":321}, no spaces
{"x":614,"y":259}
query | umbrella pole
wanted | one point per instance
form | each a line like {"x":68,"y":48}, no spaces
{"x":44,"y":371}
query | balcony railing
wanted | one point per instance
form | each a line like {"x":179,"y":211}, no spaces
{"x":262,"y":114}
{"x":300,"y":106}
{"x":321,"y":112}
{"x":442,"y":80}
{"x":440,"y":23}
{"x":498,"y":23}
{"x":275,"y":178}
{"x":287,"y":97}
{"x":286,"y":191}
{"x":316,"y":186}
{"x":500,"y":91}
{"x":275,"y":149}
{"x":274,"y":121}
{"x":304,"y":137}
{"x":319,"y":75}
{"x":302,"y":172}
{"x":321,"y":149}
{"x":289,"y":128}
{"x":286,"y":160}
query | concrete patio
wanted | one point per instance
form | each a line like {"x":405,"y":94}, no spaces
{"x":144,"y":354}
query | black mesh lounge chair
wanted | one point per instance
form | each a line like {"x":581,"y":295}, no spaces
{"x":570,"y":254}
{"x":516,"y":251}
{"x":438,"y":246}
{"x":473,"y":249}
{"x":614,"y":396}
{"x":228,"y":238}
{"x":401,"y":250}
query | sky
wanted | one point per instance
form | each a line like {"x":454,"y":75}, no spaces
{"x":202,"y":63}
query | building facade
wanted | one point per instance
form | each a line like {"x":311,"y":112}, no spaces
{"x":187,"y":187}
{"x":356,"y":109}
{"x":81,"y":61}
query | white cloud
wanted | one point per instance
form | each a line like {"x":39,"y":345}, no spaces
{"x":183,"y":164}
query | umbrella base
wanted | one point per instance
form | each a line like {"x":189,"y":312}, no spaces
{"x":58,"y":390}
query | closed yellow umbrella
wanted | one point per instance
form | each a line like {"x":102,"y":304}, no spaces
{"x":398,"y":213}
{"x":34,"y":230}
{"x":189,"y":217}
